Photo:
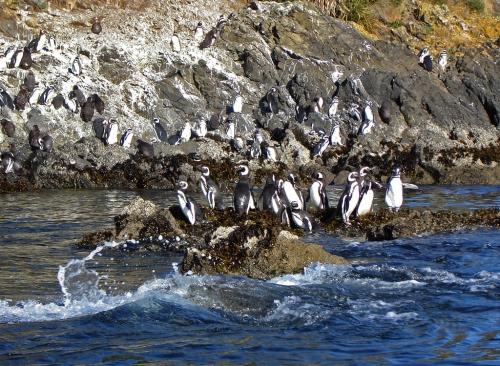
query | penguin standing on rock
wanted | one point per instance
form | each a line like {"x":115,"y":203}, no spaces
{"x":26,"y":60}
{"x":366,"y":193}
{"x":238,"y":104}
{"x":78,"y":95}
{"x":300,"y":218}
{"x":321,"y":147}
{"x":47,"y":95}
{"x":335,"y":138}
{"x":8,"y":128}
{"x":198,"y":32}
{"x":22,"y":98}
{"x":270,"y":196}
{"x":317,"y":198}
{"x":30,"y":82}
{"x":111,"y":132}
{"x":96,"y":26}
{"x":428,"y":63}
{"x":98,"y":103}
{"x":422,"y":54}
{"x":126,"y":139}
{"x":146,"y":149}
{"x":159,"y":130}
{"x":76,"y":66}
{"x":99,"y":126}
{"x":443,"y":60}
{"x":6,"y":99}
{"x":368,"y":121}
{"x":38,"y":43}
{"x":394,"y":190}
{"x":243,"y":197}
{"x":291,"y":192}
{"x":87,"y":111}
{"x":7,"y":160}
{"x":272,"y":100}
{"x":188,"y":206}
{"x":349,"y":198}
{"x":210,"y":189}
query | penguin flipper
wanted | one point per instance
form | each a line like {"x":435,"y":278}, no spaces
{"x":410,"y":186}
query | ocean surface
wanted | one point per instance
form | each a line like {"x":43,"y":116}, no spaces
{"x":432,"y":299}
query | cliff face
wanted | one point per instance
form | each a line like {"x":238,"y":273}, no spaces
{"x":443,"y":125}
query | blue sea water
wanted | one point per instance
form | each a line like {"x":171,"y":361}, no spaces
{"x":433,"y":299}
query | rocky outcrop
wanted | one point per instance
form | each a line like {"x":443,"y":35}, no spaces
{"x":442,"y":126}
{"x":257,"y":245}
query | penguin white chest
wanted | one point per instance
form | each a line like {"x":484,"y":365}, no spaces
{"x":394,"y":193}
{"x":315,"y":195}
{"x":365,"y":203}
{"x":292,"y":195}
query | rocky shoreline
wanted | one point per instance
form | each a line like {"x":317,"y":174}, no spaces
{"x":439,"y":126}
{"x":258,"y":246}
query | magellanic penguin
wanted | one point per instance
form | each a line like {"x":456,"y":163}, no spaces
{"x":38,"y":43}
{"x":270,"y":152}
{"x":111,"y":132}
{"x":272,"y":100}
{"x":200,"y":129}
{"x":210,"y":189}
{"x":47,"y":95}
{"x":126,"y":139}
{"x":317,"y":199}
{"x":368,"y":121}
{"x":30,"y":82}
{"x":22,"y":98}
{"x":428,"y":63}
{"x":317,"y":104}
{"x":349,"y":198}
{"x":87,"y":111}
{"x":270,"y":196}
{"x":96,"y":26}
{"x":188,"y":206}
{"x":394,"y":190}
{"x":300,"y":218}
{"x":422,"y":54}
{"x":366,"y":193}
{"x":292,"y":193}
{"x":7,"y":159}
{"x":58,"y":101}
{"x":185,"y":134}
{"x":321,"y":147}
{"x":15,"y":60}
{"x":26,"y":60}
{"x":6,"y":99}
{"x":443,"y":60}
{"x":159,"y":130}
{"x":335,"y":137}
{"x":238,"y":104}
{"x":8,"y":128}
{"x":255,"y":149}
{"x":332,"y":110}
{"x":76,"y":66}
{"x":230,"y":130}
{"x":243,"y":197}
{"x":198,"y":32}
{"x":300,"y":114}
{"x":146,"y":149}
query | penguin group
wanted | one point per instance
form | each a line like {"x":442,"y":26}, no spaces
{"x":426,"y":61}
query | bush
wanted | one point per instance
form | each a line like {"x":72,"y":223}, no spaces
{"x":476,"y":5}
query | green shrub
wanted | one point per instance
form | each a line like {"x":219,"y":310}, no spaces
{"x":476,"y":5}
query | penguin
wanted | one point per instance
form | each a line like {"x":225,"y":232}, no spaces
{"x":30,"y":82}
{"x":99,"y":126}
{"x":189,"y":207}
{"x":26,"y":60}
{"x":16,"y":58}
{"x":300,"y":114}
{"x":35,"y":95}
{"x":58,"y":101}
{"x":198,"y":32}
{"x":394,"y":190}
{"x":237,"y":144}
{"x":365,"y":199}
{"x":422,"y":54}
{"x":332,"y":110}
{"x":38,"y":43}
{"x":87,"y":111}
{"x":145,"y":148}
{"x":272,"y":100}
{"x":200,"y":130}
{"x":46,"y":143}
{"x":320,"y":148}
{"x":96,"y":27}
{"x":349,"y":198}
{"x":7,"y":159}
{"x":210,"y":189}
{"x":9,"y":52}
{"x":77,"y":94}
{"x":98,"y":103}
{"x":34,"y":138}
{"x":238,"y":104}
{"x":111,"y":132}
{"x":291,"y":192}
{"x":185,"y":134}
{"x":354,"y":112}
{"x":175,"y":43}
{"x":215,"y":121}
{"x":76,"y":66}
{"x":51,"y":43}
{"x":335,"y":138}
{"x":270,"y":152}
{"x":243,"y":198}
{"x":385,"y":111}
{"x":254,"y":5}
{"x":159,"y":130}
{"x":317,"y":197}
{"x":71,"y":104}
{"x":231,"y":130}
{"x":300,"y":218}
{"x":209,"y":39}
{"x":6,"y":99}
{"x":8,"y":128}
{"x":368,"y":121}
{"x":443,"y":60}
{"x":126,"y":138}
{"x":47,"y":95}
{"x":255,"y":149}
{"x":270,"y":196}
{"x":22,"y":98}
{"x":317,"y":104}
{"x":428,"y":63}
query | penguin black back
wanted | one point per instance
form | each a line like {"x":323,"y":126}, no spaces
{"x":8,"y":128}
{"x":145,"y":148}
{"x":87,"y":111}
